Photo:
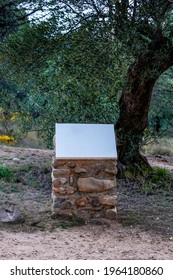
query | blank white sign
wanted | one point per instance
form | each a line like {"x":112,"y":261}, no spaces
{"x":85,"y":141}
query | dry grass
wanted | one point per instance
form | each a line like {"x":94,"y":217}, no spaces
{"x":163,"y":146}
{"x":32,"y":140}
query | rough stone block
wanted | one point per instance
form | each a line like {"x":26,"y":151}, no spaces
{"x":79,"y":170}
{"x":57,"y":182}
{"x":81,"y":201}
{"x":108,"y":200}
{"x":66,"y":213}
{"x":111,"y":214}
{"x":111,"y":171}
{"x":56,"y":163}
{"x":60,"y":191}
{"x":91,"y":184}
{"x":61,"y":172}
{"x":71,"y":164}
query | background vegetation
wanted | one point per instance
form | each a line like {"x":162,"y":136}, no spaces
{"x":57,"y":65}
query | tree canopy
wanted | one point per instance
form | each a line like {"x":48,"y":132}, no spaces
{"x":74,"y":57}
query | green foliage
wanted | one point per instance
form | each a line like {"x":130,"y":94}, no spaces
{"x":150,"y":181}
{"x":161,"y":110}
{"x":5,"y":173}
{"x":71,"y":222}
{"x":160,"y":175}
{"x":161,"y":179}
{"x":11,"y":16}
{"x":130,"y":219}
{"x":70,"y":62}
{"x":80,"y":81}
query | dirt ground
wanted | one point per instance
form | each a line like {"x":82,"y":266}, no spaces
{"x":144,"y":229}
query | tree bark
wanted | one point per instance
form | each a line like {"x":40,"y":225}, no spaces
{"x":135,"y":101}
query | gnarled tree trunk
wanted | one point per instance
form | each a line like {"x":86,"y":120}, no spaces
{"x":135,"y":101}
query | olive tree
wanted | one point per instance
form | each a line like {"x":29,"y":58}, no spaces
{"x":143,"y":29}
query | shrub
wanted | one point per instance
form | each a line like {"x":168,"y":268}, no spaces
{"x":6,"y":139}
{"x":5,"y":173}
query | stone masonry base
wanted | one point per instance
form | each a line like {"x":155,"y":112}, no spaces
{"x":84,"y":188}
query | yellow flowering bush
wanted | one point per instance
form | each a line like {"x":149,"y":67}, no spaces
{"x":14,"y":116}
{"x":6,"y":139}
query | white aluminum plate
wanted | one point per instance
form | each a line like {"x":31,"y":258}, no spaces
{"x":85,"y":141}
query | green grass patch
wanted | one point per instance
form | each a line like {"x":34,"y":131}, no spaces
{"x":129,"y":220}
{"x":9,"y":187}
{"x":150,"y":181}
{"x":5,"y":173}
{"x":159,"y":180}
{"x":71,"y":222}
{"x":161,"y":174}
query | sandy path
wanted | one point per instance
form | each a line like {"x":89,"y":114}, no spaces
{"x":86,"y":242}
